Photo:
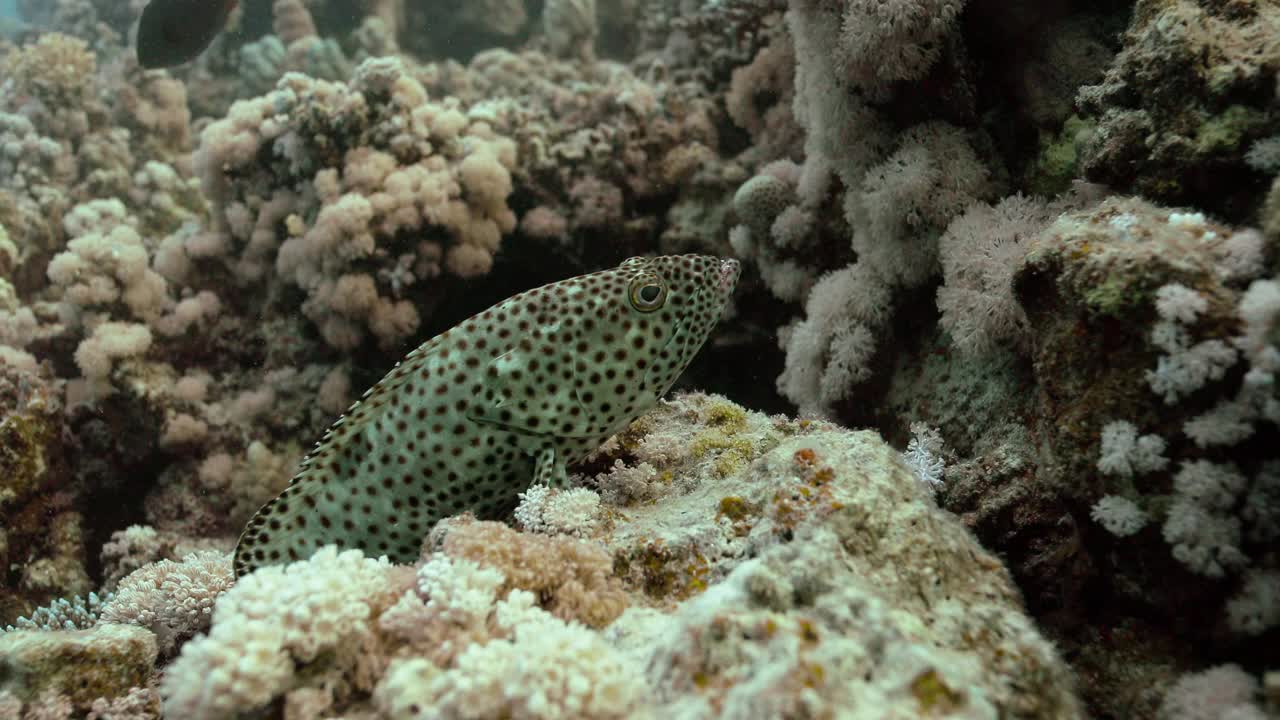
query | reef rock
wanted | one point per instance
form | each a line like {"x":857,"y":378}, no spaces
{"x":80,"y":665}
{"x":726,"y":563}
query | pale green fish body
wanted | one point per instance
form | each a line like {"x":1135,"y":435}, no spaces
{"x":509,"y":397}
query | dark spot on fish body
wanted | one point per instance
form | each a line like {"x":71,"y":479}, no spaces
{"x":171,"y":32}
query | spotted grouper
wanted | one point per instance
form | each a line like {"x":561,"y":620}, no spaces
{"x":473,"y":416}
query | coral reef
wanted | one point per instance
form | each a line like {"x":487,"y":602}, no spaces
{"x":809,"y":571}
{"x":1184,"y":102}
{"x":79,"y":666}
{"x":381,"y":164}
{"x":42,"y":540}
{"x":1033,"y":246}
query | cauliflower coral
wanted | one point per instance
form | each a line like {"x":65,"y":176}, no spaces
{"x":378,"y":186}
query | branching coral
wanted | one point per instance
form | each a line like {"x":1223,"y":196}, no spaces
{"x":140,"y":545}
{"x":897,"y":192}
{"x":883,"y":42}
{"x":602,"y":145}
{"x":979,"y":254}
{"x":33,"y":168}
{"x":267,"y":623}
{"x":501,"y":654}
{"x":106,"y":263}
{"x":573,"y":512}
{"x":760,"y":97}
{"x":570,"y":27}
{"x":538,"y":667}
{"x":57,"y":72}
{"x":367,"y":173}
{"x":292,"y":21}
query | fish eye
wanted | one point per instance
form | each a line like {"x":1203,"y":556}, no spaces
{"x":647,"y":294}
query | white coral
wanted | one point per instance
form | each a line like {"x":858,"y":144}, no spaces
{"x":546,"y":669}
{"x":1204,"y":533}
{"x":458,"y":589}
{"x":1120,"y":516}
{"x":1256,"y":608}
{"x":546,"y":510}
{"x":240,"y":665}
{"x":172,"y":599}
{"x":272,"y":619}
{"x":1124,"y":453}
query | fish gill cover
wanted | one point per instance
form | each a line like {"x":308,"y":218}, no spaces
{"x":984,"y":428}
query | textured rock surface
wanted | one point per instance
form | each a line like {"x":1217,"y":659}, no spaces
{"x":826,"y":566}
{"x":733,"y":565}
{"x":81,"y":665}
{"x":1193,"y":88}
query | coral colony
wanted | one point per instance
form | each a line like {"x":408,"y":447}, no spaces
{"x":686,"y":359}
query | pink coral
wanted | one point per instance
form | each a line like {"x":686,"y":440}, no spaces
{"x":106,"y":262}
{"x":573,"y":578}
{"x":109,"y":343}
{"x":429,"y":193}
{"x":335,"y":391}
{"x":183,"y":429}
{"x":596,"y":204}
{"x":760,"y":97}
{"x":544,"y":223}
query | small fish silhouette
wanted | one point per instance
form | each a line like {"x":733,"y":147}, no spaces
{"x":173,"y":32}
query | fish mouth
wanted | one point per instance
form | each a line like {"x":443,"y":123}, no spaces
{"x":728,"y":272}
